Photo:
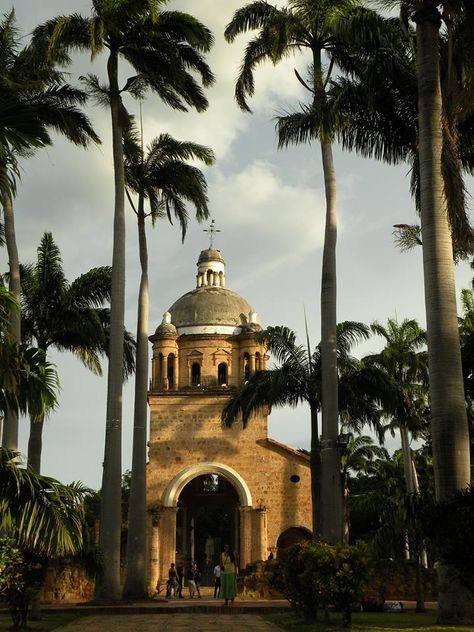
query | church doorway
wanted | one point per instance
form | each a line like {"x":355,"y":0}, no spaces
{"x":207,"y":518}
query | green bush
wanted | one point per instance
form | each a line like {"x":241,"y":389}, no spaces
{"x":319,"y":575}
{"x":450,"y":526}
{"x":21,"y":576}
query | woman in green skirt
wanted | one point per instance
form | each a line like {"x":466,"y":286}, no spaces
{"x":228,"y":575}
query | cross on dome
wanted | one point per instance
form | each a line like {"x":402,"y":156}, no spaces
{"x":212,"y":230}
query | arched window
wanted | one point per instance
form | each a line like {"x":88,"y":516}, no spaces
{"x":196,"y":374}
{"x":222,"y":374}
{"x":292,"y":536}
{"x":170,"y":371}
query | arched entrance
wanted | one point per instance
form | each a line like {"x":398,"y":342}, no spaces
{"x":207,"y":518}
{"x":204,"y":506}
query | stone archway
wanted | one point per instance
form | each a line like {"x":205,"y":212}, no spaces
{"x":176,"y":485}
{"x":166,"y":522}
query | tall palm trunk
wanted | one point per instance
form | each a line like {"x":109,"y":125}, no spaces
{"x":10,"y":424}
{"x":331,"y":492}
{"x":110,"y":515}
{"x":135,"y":580}
{"x":35,"y":445}
{"x":315,"y":463}
{"x":407,"y":459}
{"x":331,"y":510}
{"x":35,"y":439}
{"x":449,"y":425}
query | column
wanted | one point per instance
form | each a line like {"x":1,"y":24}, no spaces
{"x":154,"y":553}
{"x":167,"y":538}
{"x":245,"y":536}
{"x":260,"y":527}
{"x":252,"y":363}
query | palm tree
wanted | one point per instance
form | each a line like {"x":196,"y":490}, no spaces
{"x":67,"y":316}
{"x":403,"y":361}
{"x":378,"y":104}
{"x":358,"y":456}
{"x":298,"y":378}
{"x":449,"y":430}
{"x":45,"y":518}
{"x":326,"y":27}
{"x":449,"y":427}
{"x":28,"y":383}
{"x":163,"y":48}
{"x":43,"y":515}
{"x":162,"y":176}
{"x":34,"y":100}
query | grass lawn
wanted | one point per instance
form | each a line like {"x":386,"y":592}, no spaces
{"x":369,"y":622}
{"x":50,"y":621}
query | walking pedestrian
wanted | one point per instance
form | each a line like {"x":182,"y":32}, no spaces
{"x":197,"y":579}
{"x":217,"y":580}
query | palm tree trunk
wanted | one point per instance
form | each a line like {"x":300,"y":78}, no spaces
{"x":10,"y":424}
{"x":315,"y":466}
{"x":110,"y":516}
{"x":135,"y":579}
{"x":35,"y":448}
{"x":407,"y":459}
{"x":449,"y":425}
{"x":332,"y":523}
{"x":35,"y":445}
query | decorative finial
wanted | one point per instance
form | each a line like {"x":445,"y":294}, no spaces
{"x":212,"y":230}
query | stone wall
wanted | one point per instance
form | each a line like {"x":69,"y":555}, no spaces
{"x":66,"y":583}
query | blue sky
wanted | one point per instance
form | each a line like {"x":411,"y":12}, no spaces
{"x":268,"y":204}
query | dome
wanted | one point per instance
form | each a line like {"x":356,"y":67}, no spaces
{"x":166,"y":328}
{"x":211,"y":254}
{"x":211,"y":309}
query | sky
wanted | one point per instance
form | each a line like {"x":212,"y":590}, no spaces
{"x":268,"y":205}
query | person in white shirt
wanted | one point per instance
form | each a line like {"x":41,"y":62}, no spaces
{"x":217,"y":580}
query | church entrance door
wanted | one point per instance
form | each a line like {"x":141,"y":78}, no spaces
{"x":207,"y":518}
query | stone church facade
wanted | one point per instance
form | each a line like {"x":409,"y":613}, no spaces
{"x":208,"y":484}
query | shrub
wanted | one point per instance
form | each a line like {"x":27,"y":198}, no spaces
{"x":21,"y":576}
{"x":318,"y":575}
{"x":449,"y":524}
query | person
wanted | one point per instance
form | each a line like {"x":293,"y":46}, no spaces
{"x":197,"y":579}
{"x":228,"y":575}
{"x":191,"y":581}
{"x":171,"y":583}
{"x":180,"y":574}
{"x":217,"y":580}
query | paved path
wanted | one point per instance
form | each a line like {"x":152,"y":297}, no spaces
{"x":170,"y":623}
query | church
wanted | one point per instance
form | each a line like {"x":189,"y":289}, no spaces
{"x":208,"y":484}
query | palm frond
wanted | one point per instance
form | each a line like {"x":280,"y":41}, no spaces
{"x":44,"y":515}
